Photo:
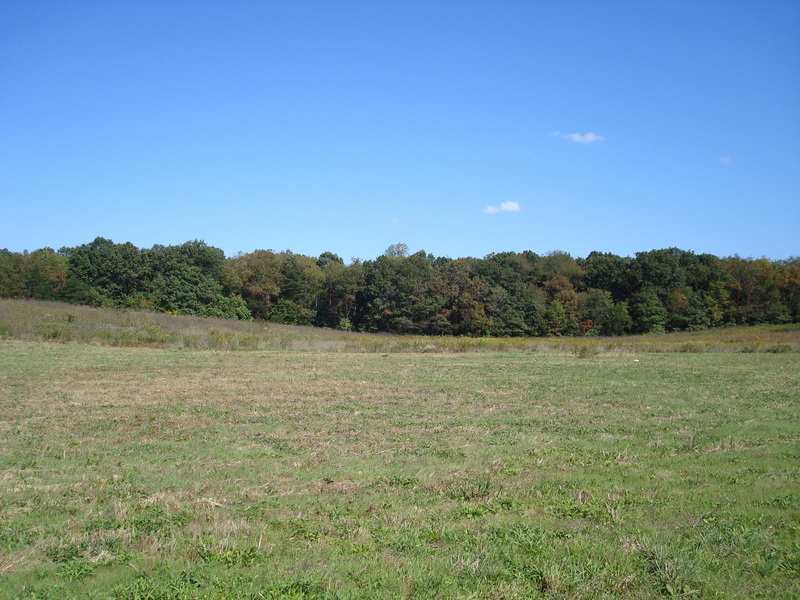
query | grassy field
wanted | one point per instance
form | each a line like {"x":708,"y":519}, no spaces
{"x":556,"y":469}
{"x":57,"y":322}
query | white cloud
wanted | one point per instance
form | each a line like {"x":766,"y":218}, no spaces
{"x":726,"y":160}
{"x":503,"y":207}
{"x":585,"y":138}
{"x":580,"y":138}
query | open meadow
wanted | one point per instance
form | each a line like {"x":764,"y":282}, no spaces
{"x":150,"y":457}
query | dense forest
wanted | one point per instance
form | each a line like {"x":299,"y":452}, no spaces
{"x":503,"y":294}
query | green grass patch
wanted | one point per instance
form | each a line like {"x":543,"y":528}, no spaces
{"x":131,"y":472}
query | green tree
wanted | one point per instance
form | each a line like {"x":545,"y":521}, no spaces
{"x":12,"y":274}
{"x":511,"y":270}
{"x":186,"y":279}
{"x":395,"y":294}
{"x":660,"y":271}
{"x":399,"y":250}
{"x":754,"y":289}
{"x":686,"y":310}
{"x":505,"y":319}
{"x":113,"y":271}
{"x":45,"y":274}
{"x":789,"y":274}
{"x":559,"y":264}
{"x":603,"y":316}
{"x":463,"y":298}
{"x":516,"y":302}
{"x":616,"y":320}
{"x":337,"y":301}
{"x":301,"y":288}
{"x":609,"y":272}
{"x":256,"y":278}
{"x":647,"y":313}
{"x":561,"y":316}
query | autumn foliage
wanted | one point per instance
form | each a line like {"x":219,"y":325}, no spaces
{"x":502,"y":294}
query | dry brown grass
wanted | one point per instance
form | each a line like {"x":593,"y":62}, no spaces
{"x":51,"y":321}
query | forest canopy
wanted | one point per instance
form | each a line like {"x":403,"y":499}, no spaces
{"x":502,"y":294}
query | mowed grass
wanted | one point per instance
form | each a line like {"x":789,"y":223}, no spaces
{"x":175,"y":474}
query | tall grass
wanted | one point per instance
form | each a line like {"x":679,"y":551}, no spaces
{"x":51,"y":321}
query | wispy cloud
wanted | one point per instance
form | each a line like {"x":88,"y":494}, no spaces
{"x":503,"y":207}
{"x":726,"y":160}
{"x":580,"y":138}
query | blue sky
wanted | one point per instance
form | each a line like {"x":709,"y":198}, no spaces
{"x":456,"y":127}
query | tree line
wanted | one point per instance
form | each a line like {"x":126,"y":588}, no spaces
{"x":502,"y":294}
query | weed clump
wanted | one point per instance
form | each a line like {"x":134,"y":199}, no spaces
{"x":586,"y":351}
